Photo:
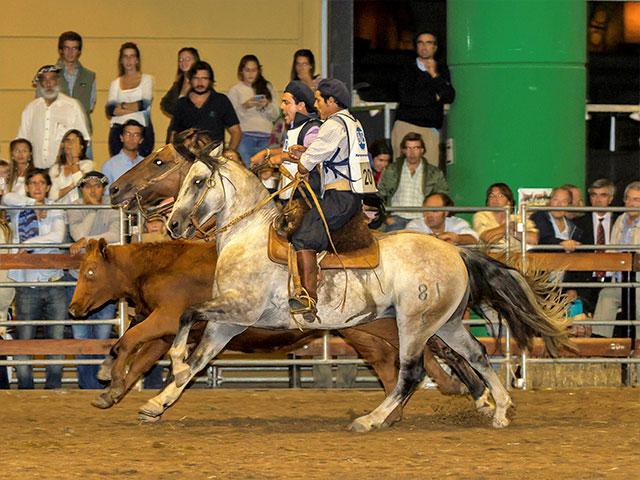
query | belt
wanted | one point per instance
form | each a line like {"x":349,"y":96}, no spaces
{"x":341,"y":184}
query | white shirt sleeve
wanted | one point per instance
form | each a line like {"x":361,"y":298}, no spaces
{"x":324,"y":146}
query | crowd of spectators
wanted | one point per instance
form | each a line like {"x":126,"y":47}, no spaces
{"x":51,"y":162}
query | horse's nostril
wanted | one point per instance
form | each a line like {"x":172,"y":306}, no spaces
{"x":173,"y":225}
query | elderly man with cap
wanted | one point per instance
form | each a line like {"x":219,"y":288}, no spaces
{"x":340,"y":149}
{"x":302,"y":129}
{"x":85,"y":225}
{"x":46,"y":119}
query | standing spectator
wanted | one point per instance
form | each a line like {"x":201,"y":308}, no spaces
{"x":76,"y":80}
{"x":38,"y":303}
{"x":47,"y":118}
{"x":304,"y":68}
{"x":187,"y":57}
{"x":451,"y":229}
{"x":21,"y":161}
{"x":380,"y":153}
{"x":131,"y":137}
{"x":253,"y":100}
{"x":130,"y":97}
{"x":5,"y":173}
{"x":425,"y":86}
{"x":69,"y":168}
{"x":625,"y":231}
{"x":492,"y":225}
{"x":206,"y":109}
{"x":596,"y":230}
{"x":6,"y":299}
{"x":408,"y":181}
{"x":85,"y":225}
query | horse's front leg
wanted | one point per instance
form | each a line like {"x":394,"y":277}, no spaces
{"x":214,"y":338}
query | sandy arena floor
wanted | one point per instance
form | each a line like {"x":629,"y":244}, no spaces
{"x":275,"y":434}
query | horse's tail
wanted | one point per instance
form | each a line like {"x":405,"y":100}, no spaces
{"x":530,"y":305}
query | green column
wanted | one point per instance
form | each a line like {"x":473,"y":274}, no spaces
{"x":518,"y":67}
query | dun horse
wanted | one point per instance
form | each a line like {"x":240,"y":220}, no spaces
{"x":428,"y":282}
{"x":160,"y":175}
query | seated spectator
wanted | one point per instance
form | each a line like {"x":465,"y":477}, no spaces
{"x":70,"y":166}
{"x":554,"y":228}
{"x":43,"y":302}
{"x":443,"y":226}
{"x":21,"y":160}
{"x":625,"y":231}
{"x":131,"y":136}
{"x":576,"y":200}
{"x":408,"y":180}
{"x":492,"y":225}
{"x":380,"y":153}
{"x":155,"y":229}
{"x":86,"y":225}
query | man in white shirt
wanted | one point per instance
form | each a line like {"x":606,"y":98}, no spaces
{"x":46,"y":119}
{"x":438,"y":223}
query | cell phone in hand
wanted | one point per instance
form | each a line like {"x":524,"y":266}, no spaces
{"x":259,"y":97}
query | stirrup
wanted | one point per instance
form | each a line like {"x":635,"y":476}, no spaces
{"x":303,"y":304}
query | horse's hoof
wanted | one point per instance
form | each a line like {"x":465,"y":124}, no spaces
{"x":151,"y":409}
{"x":142,"y":418}
{"x":103,"y":401}
{"x":500,"y":422}
{"x":484,"y":405}
{"x":116,"y":392}
{"x":361,"y":425}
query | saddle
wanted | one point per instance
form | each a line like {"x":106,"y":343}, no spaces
{"x":365,"y":257}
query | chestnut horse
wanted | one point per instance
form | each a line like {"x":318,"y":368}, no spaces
{"x":165,"y":278}
{"x":160,"y":175}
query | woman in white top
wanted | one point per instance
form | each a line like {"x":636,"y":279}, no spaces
{"x":253,"y":100}
{"x":70,"y":167}
{"x":130,"y":97}
{"x":21,"y":161}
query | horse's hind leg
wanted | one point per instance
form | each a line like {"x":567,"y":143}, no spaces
{"x":179,"y":351}
{"x":459,"y":339}
{"x":214,"y":339}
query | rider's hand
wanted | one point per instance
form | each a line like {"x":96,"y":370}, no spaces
{"x":77,"y":247}
{"x":295,"y":151}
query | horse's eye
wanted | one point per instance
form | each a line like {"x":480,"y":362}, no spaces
{"x":158,"y":162}
{"x":197,"y":181}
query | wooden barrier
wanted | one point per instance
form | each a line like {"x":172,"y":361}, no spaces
{"x":38,"y":261}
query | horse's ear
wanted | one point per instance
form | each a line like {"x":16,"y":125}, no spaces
{"x":102,"y":247}
{"x":213,"y":150}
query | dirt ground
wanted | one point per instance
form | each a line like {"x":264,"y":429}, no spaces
{"x":276,"y":434}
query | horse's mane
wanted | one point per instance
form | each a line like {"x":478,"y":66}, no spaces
{"x":191,"y":142}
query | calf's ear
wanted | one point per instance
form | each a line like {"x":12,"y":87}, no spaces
{"x":102,"y":247}
{"x":90,"y":247}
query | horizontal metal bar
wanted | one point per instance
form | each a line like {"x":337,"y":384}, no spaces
{"x":36,"y":284}
{"x":599,"y":285}
{"x":60,"y":206}
{"x":69,"y":321}
{"x":584,"y":360}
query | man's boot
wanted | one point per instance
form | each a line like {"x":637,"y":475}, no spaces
{"x":305,"y":295}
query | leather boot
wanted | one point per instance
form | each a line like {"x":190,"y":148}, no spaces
{"x":305,"y":297}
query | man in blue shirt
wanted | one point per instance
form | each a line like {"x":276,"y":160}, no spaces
{"x":132,"y":137}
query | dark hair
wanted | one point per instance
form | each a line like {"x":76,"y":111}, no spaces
{"x":308,"y":54}
{"x":69,"y":36}
{"x":38,"y":171}
{"x":201,"y":65}
{"x":447,"y":201}
{"x":380,"y":147}
{"x":259,"y":85}
{"x":4,"y":163}
{"x":504,"y":190}
{"x":412,"y":137}
{"x":423,"y":32}
{"x":14,"y":166}
{"x":61,"y":160}
{"x":180,"y":74}
{"x":123,"y":47}
{"x":132,"y":123}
